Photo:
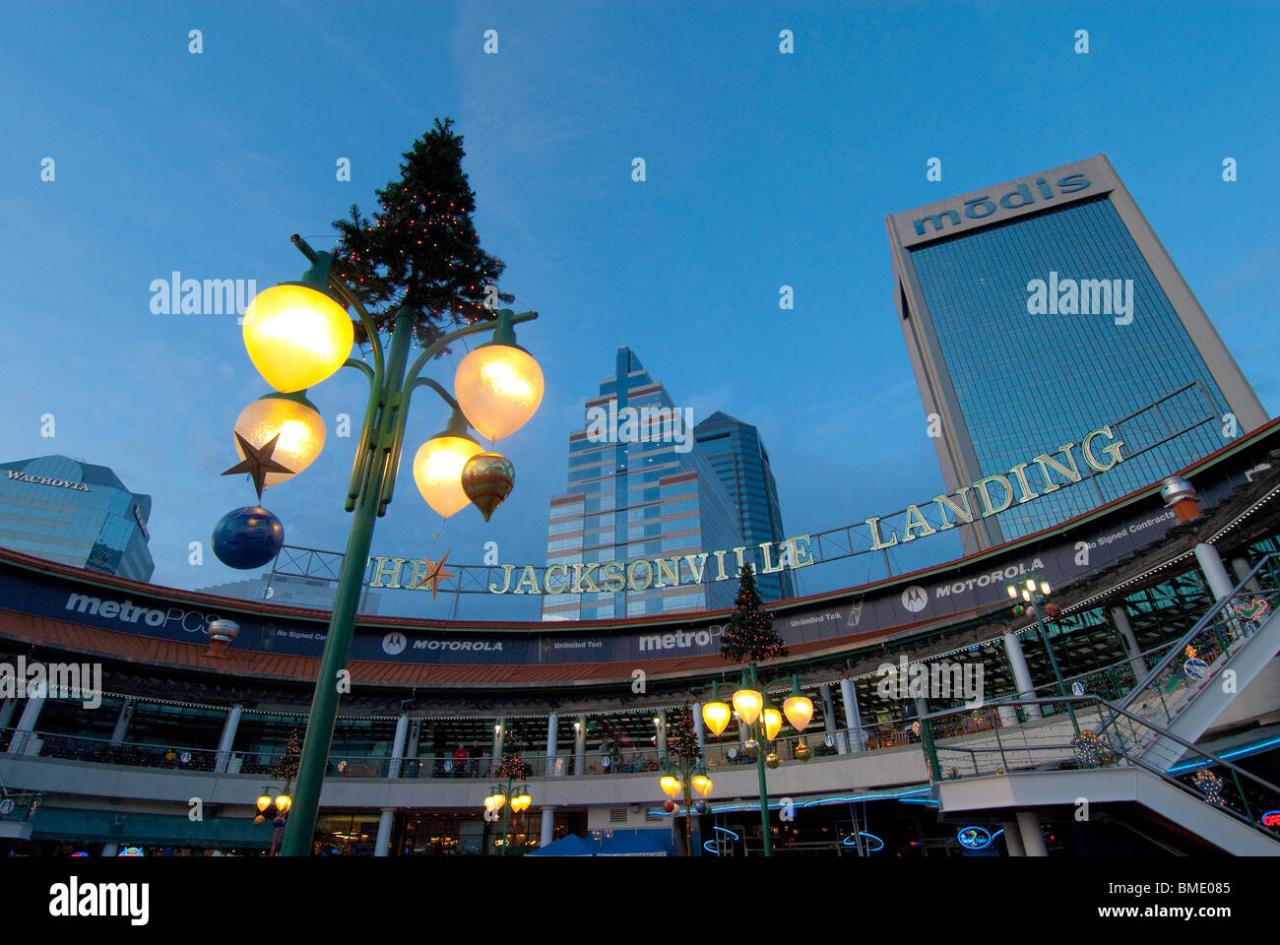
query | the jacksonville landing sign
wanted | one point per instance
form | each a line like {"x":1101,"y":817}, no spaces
{"x":1099,"y":451}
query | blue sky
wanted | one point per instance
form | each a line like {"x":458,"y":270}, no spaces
{"x":763,"y":169}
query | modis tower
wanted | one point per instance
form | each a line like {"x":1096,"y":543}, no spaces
{"x":1045,"y":307}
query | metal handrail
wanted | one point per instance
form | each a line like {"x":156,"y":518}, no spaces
{"x":1135,"y":758}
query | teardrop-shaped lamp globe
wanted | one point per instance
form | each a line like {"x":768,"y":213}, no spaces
{"x":296,"y":422}
{"x":437,"y":469}
{"x":296,"y":337}
{"x":499,"y":388}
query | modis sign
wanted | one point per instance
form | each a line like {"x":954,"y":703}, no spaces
{"x":983,"y":206}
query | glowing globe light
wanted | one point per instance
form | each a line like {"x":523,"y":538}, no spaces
{"x":748,"y":703}
{"x":264,"y":801}
{"x":772,"y":723}
{"x":799,"y":711}
{"x":283,"y":803}
{"x":716,"y":716}
{"x":293,"y":419}
{"x":521,"y":802}
{"x":702,"y":784}
{"x":296,"y":336}
{"x":671,"y":785}
{"x":437,"y":469}
{"x":499,"y":387}
{"x":499,"y":799}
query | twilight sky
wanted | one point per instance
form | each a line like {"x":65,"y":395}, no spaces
{"x":762,"y":170}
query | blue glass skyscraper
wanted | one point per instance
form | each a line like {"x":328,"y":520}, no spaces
{"x":739,"y":458}
{"x":75,"y":513}
{"x":637,"y":492}
{"x":1043,"y":308}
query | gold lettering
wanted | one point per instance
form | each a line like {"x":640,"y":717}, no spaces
{"x":562,"y":570}
{"x":506,"y":584}
{"x":697,"y":566}
{"x":720,"y":565}
{"x":769,"y":566}
{"x":801,"y":556}
{"x":382,"y":570}
{"x":1020,"y":471}
{"x":1111,"y":449}
{"x":984,"y":497}
{"x":633,"y":582}
{"x":528,"y":576}
{"x":915,"y":520}
{"x":668,"y":571}
{"x":961,"y":513}
{"x":612,"y":578}
{"x":876,"y":542}
{"x":1070,"y":473}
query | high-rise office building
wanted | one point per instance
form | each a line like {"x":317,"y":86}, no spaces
{"x":739,"y":458}
{"x":1043,"y":308}
{"x":75,"y":513}
{"x":639,"y":487}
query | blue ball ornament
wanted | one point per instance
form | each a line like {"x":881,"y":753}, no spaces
{"x":700,"y":807}
{"x":247,"y":538}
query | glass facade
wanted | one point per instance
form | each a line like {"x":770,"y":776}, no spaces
{"x":630,"y":499}
{"x":1028,"y":383}
{"x":739,"y":458}
{"x":75,"y":513}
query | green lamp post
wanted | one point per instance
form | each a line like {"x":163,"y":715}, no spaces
{"x":297,"y":335}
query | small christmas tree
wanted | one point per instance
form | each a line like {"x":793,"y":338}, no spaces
{"x":749,"y":636}
{"x":682,"y":739}
{"x":421,"y":249}
{"x":287,"y":766}
{"x":511,"y":767}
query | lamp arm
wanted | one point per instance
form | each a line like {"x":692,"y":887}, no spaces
{"x":410,"y":381}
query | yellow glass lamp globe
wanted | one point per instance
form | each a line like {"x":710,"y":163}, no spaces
{"x":715,"y":716}
{"x":499,"y":387}
{"x":297,"y":423}
{"x":296,"y":336}
{"x":748,"y":703}
{"x":521,"y":802}
{"x":437,"y":469}
{"x":670,"y":785}
{"x":702,"y":784}
{"x":798,"y":710}
{"x":772,"y":723}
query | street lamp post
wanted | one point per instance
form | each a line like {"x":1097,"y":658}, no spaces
{"x":282,"y":802}
{"x":509,"y":801}
{"x":763,"y":724}
{"x":295,"y":334}
{"x":1036,"y":594}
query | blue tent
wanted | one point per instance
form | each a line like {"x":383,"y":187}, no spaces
{"x":637,"y":843}
{"x":572,"y":845}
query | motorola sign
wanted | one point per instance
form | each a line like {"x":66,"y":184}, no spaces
{"x":915,"y":598}
{"x":393,"y":644}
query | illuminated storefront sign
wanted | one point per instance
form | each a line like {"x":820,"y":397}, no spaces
{"x":974,"y":838}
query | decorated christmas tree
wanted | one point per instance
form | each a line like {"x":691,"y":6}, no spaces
{"x":420,"y":248}
{"x":287,"y":766}
{"x":511,"y":766}
{"x":749,"y":636}
{"x":682,"y":740}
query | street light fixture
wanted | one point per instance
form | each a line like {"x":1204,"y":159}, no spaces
{"x":1035,"y":593}
{"x":299,"y":334}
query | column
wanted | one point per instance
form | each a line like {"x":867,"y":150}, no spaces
{"x":547,"y":832}
{"x":553,"y":744}
{"x":698,"y":728}
{"x":1021,"y":676}
{"x":1215,"y":571}
{"x":1013,"y":838}
{"x":829,"y":718}
{"x":1241,"y":568}
{"x":228,"y":738}
{"x":580,"y":746}
{"x":499,"y":735}
{"x":1032,"y":838}
{"x":397,"y":747}
{"x":1120,"y":618}
{"x":411,"y":749}
{"x":852,"y":714}
{"x":381,"y":845}
{"x":122,"y":722}
{"x":26,"y":723}
{"x":660,"y":726}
